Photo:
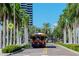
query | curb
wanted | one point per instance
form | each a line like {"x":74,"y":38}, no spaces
{"x":15,"y":52}
{"x":3,"y":54}
{"x":67,"y":49}
{"x":8,"y":54}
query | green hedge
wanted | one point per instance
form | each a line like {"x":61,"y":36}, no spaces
{"x":11,"y":48}
{"x":26,"y":46}
{"x":71,"y":46}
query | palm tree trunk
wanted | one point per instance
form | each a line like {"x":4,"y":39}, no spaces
{"x":69,"y":36}
{"x":26,"y":34}
{"x":17,"y":35}
{"x":65,"y":37}
{"x":20,"y":40}
{"x":14,"y":24}
{"x":74,"y":36}
{"x":4,"y":31}
{"x":78,"y":36}
{"x":11,"y":37}
{"x":74,"y":33}
{"x":7,"y":33}
{"x":0,"y":39}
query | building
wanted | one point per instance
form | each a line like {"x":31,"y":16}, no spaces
{"x":28,"y":7}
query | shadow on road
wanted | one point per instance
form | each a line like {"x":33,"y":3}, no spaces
{"x":45,"y":47}
{"x":50,"y":46}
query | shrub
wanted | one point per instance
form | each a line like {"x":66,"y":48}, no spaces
{"x":11,"y":48}
{"x":26,"y":46}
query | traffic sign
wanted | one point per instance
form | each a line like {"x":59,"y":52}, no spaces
{"x":10,"y":26}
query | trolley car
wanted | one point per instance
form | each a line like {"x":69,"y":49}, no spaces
{"x":38,"y":40}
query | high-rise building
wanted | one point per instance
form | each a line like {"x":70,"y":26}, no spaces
{"x":28,"y":7}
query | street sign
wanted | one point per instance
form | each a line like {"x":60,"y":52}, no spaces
{"x":10,"y":26}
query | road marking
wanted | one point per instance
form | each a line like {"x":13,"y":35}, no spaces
{"x":45,"y":51}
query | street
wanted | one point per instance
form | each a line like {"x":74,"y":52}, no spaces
{"x":52,"y":51}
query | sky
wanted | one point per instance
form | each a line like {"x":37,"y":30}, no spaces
{"x":47,"y":13}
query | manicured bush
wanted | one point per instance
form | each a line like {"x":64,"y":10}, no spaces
{"x":11,"y":48}
{"x":26,"y":46}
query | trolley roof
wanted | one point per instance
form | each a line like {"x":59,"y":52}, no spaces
{"x":41,"y":34}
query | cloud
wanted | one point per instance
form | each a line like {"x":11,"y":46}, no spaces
{"x":55,"y":24}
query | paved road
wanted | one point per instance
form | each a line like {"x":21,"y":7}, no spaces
{"x":58,"y":51}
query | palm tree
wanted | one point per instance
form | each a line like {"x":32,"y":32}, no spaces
{"x":70,"y":21}
{"x":32,"y":29}
{"x":26,"y":21}
{"x":14,"y":23}
{"x":46,"y":27}
{"x":8,"y":18}
{"x":4,"y":11}
{"x":18,"y":21}
{"x":7,"y":15}
{"x":24,"y":26}
{"x":4,"y":8}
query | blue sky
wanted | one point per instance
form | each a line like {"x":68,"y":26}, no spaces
{"x":47,"y":13}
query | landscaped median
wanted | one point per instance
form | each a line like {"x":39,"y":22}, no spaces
{"x":14,"y":48}
{"x":74,"y":47}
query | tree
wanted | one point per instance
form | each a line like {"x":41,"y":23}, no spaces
{"x":46,"y":28}
{"x":68,"y":22}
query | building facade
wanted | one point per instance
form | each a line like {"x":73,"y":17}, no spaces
{"x":28,"y":7}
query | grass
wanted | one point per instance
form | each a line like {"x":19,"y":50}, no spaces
{"x":74,"y":47}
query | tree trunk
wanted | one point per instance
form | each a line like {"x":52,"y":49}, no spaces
{"x":69,"y":36}
{"x":0,"y":39}
{"x":65,"y":37}
{"x":76,"y":40}
{"x":11,"y":37}
{"x":20,"y":40}
{"x":14,"y":24}
{"x":17,"y":35}
{"x":78,"y":35}
{"x":7,"y":33}
{"x":4,"y":31}
{"x":26,"y":34}
{"x":74,"y":34}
